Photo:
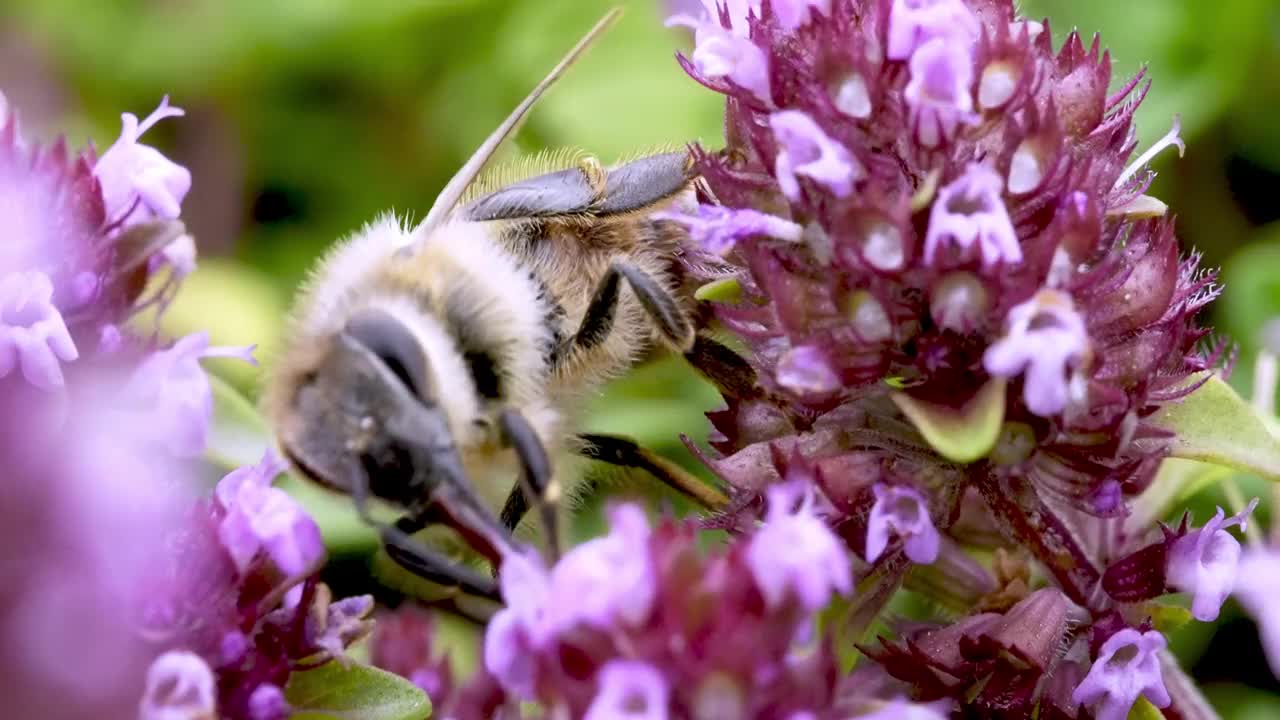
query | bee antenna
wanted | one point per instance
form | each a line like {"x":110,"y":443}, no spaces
{"x":467,"y":174}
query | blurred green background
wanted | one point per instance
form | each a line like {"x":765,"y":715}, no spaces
{"x":308,"y":117}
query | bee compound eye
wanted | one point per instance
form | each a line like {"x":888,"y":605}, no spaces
{"x":394,"y":344}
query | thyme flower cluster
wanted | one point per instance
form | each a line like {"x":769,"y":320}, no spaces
{"x":126,"y":593}
{"x":962,"y":312}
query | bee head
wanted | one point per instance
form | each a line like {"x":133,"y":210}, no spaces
{"x":365,"y":406}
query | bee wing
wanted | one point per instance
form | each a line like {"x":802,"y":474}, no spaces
{"x":461,"y":180}
{"x":627,"y":188}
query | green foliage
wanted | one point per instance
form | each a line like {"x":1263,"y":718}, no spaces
{"x":961,"y":434}
{"x":354,"y":692}
{"x":1214,"y":424}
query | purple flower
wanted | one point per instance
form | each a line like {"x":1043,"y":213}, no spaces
{"x":180,"y":686}
{"x":1257,"y":586}
{"x":138,"y":182}
{"x":608,"y":580}
{"x":807,"y":150}
{"x":33,"y":334}
{"x":1045,"y":337}
{"x":903,"y":710}
{"x":727,"y":52}
{"x":518,"y":629}
{"x":173,"y":391}
{"x":912,"y":23}
{"x":795,"y":554}
{"x":793,"y":14}
{"x":1203,"y":563}
{"x":903,"y":512}
{"x":718,"y":228}
{"x":262,"y":518}
{"x":805,"y":369}
{"x":970,"y":210}
{"x":1127,"y":665}
{"x":938,"y":94}
{"x":267,"y":702}
{"x":630,"y":690}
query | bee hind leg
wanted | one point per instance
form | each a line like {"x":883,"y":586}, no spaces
{"x":661,"y":307}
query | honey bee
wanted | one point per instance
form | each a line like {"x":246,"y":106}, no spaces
{"x":438,"y":367}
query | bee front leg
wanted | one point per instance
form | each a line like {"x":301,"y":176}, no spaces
{"x":661,"y":307}
{"x":537,"y":484}
{"x":414,"y":556}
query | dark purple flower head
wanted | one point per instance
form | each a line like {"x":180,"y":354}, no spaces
{"x":642,"y":621}
{"x":924,"y":196}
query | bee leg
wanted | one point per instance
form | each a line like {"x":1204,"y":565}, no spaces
{"x":436,"y":567}
{"x":625,"y":452}
{"x":597,"y":322}
{"x":733,"y":376}
{"x":414,"y":556}
{"x":537,"y":485}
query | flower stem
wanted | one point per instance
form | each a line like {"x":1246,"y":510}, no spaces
{"x":1033,"y":524}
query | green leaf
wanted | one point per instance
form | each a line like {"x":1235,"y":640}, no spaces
{"x":356,"y":692}
{"x":1167,"y":618}
{"x":725,"y":290}
{"x":1144,"y":710}
{"x":1215,"y":425}
{"x":239,"y":436}
{"x":961,"y":434}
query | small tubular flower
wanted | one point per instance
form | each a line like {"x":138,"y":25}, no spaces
{"x":138,"y":182}
{"x":727,"y":52}
{"x":795,"y":555}
{"x":33,"y":335}
{"x":938,"y":93}
{"x":969,"y":211}
{"x":806,"y":150}
{"x":607,"y":580}
{"x":261,"y":518}
{"x":902,"y":512}
{"x":912,"y":23}
{"x":174,"y":391}
{"x":1256,"y":588}
{"x":630,"y":690}
{"x":717,"y":229}
{"x":1127,"y":666}
{"x":1203,"y":562}
{"x":1046,"y":337}
{"x":180,"y":686}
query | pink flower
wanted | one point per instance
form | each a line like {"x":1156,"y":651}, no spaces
{"x":1203,"y":563}
{"x":1045,"y":338}
{"x":180,"y":686}
{"x":806,"y":150}
{"x":138,"y":182}
{"x":912,"y":23}
{"x":969,"y":211}
{"x":32,"y":332}
{"x":260,"y":518}
{"x":172,"y":388}
{"x":1257,"y":587}
{"x":795,"y":554}
{"x":1128,"y":665}
{"x":718,"y":229}
{"x":904,"y":512}
{"x":938,"y":92}
{"x":630,"y":690}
